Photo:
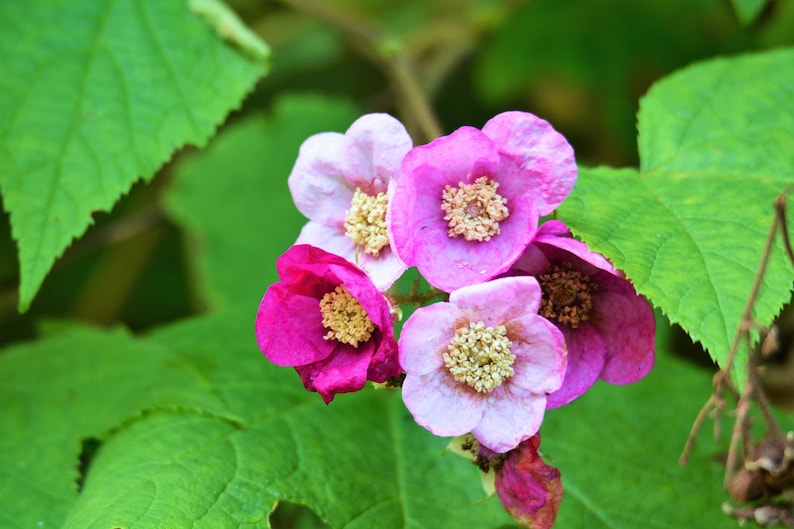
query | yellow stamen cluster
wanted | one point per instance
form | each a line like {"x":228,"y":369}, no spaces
{"x":345,"y":318}
{"x":365,"y":222}
{"x":474,"y":210}
{"x":480,"y":356}
{"x":567,"y":295}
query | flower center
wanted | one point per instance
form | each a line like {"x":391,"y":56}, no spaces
{"x":474,"y":210}
{"x":567,"y":295}
{"x":480,"y":356}
{"x":345,"y":318}
{"x":365,"y":221}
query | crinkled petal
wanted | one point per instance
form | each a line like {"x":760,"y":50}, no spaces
{"x":425,"y":336}
{"x":500,"y":300}
{"x":375,"y":145}
{"x":440,"y":404}
{"x":385,"y":362}
{"x":317,"y":182}
{"x":541,"y":359}
{"x":288,"y":328}
{"x":510,"y":415}
{"x":541,"y":155}
{"x":627,"y":323}
{"x":290,"y":331}
{"x":343,"y":371}
{"x":529,"y":489}
{"x":586,"y":356}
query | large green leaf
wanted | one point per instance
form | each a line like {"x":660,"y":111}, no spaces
{"x":94,"y":95}
{"x":234,"y":196}
{"x":196,"y":429}
{"x":689,"y":227}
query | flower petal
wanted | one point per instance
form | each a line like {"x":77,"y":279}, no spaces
{"x":627,"y":323}
{"x":330,"y":238}
{"x":540,"y":154}
{"x":441,"y":405}
{"x":540,"y":351}
{"x":317,"y":182}
{"x":289,"y":329}
{"x":510,"y":415}
{"x":425,"y":337}
{"x":586,"y":356}
{"x":342,"y":372}
{"x":498,"y":301}
{"x":375,"y":145}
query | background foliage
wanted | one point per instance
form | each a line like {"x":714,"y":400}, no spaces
{"x":170,"y":415}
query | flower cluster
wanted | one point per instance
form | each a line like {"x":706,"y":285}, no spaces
{"x":530,"y":317}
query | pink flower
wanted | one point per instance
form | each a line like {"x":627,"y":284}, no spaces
{"x":609,"y":329}
{"x":482,"y":363}
{"x":328,"y":321}
{"x":468,"y":203}
{"x":341,"y":181}
{"x":529,"y":489}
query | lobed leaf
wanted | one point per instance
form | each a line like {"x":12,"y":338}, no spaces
{"x":689,"y":228}
{"x":95,"y":95}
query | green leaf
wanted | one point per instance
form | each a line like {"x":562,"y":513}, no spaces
{"x":76,"y":386}
{"x":197,"y":429}
{"x":94,"y":95}
{"x":689,"y":228}
{"x":619,"y":463}
{"x":240,"y":236}
{"x":748,"y":10}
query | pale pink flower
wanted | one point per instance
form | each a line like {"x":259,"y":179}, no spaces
{"x":482,"y":363}
{"x":326,"y":319}
{"x":467,"y":204}
{"x":609,"y":329}
{"x":340,"y":182}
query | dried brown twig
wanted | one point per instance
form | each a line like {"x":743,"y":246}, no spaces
{"x":750,"y":472}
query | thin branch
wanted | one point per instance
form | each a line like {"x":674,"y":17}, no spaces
{"x":722,"y":379}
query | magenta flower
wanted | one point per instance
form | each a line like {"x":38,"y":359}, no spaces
{"x":341,"y":181}
{"x":327,"y":320}
{"x":529,"y":489}
{"x":609,"y":329}
{"x":467,"y":204}
{"x":482,"y":363}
